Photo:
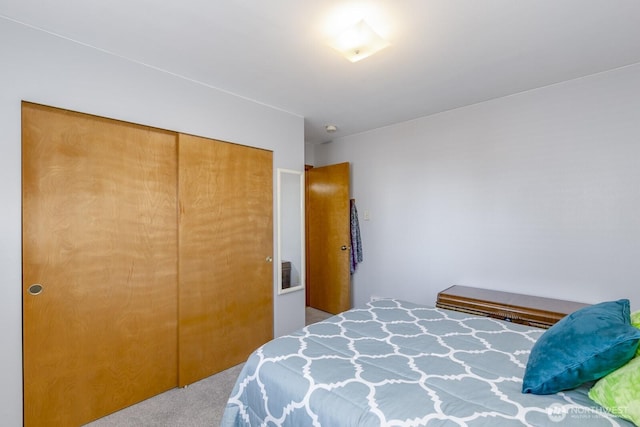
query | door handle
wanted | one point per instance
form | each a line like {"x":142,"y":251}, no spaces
{"x":35,"y":289}
{"x":344,"y":247}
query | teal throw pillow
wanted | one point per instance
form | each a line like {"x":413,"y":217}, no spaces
{"x":584,"y":346}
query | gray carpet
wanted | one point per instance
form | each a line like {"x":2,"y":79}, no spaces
{"x":199,"y":405}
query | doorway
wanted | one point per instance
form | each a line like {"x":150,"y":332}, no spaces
{"x":328,"y":238}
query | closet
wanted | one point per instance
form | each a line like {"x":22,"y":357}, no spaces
{"x":146,"y":261}
{"x":225,"y":267}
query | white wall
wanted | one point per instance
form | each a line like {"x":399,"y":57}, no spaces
{"x":535,"y":193}
{"x":41,"y":68}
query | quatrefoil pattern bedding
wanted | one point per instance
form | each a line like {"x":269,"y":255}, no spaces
{"x":395,"y":363}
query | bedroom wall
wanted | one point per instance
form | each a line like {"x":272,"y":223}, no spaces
{"x":537,"y":193}
{"x":46,"y":69}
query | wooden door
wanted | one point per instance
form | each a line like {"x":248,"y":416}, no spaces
{"x":100,"y":238}
{"x":226,"y":245}
{"x":329,"y":236}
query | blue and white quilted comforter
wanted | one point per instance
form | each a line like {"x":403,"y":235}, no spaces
{"x":400,"y":364}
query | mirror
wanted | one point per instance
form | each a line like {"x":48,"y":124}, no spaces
{"x":291,"y":257}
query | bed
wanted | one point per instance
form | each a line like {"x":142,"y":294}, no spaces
{"x":395,"y":363}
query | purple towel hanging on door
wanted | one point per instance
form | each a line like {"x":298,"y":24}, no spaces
{"x":356,"y":243}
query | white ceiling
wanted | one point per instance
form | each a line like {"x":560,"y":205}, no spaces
{"x":444,"y":53}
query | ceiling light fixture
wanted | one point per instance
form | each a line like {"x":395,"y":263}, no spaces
{"x":331,"y":128}
{"x":358,"y":42}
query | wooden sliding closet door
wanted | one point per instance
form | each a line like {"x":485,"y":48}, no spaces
{"x":226,"y":244}
{"x":99,"y":265}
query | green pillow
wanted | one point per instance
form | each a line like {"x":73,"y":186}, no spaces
{"x":619,"y":392}
{"x":635,"y":321}
{"x":583,"y":346}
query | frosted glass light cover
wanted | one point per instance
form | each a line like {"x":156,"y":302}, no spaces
{"x":358,"y":42}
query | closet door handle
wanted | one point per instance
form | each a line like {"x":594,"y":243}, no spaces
{"x":344,"y":247}
{"x":35,"y":289}
{"x":269,"y":259}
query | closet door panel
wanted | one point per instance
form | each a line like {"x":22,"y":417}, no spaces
{"x":100,"y":237}
{"x":225,"y":239}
